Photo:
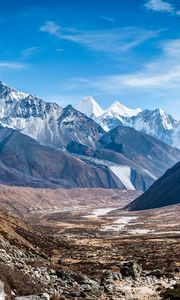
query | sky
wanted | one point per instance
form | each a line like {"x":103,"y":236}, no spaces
{"x":112,"y":50}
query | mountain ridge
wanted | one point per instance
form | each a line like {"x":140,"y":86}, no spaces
{"x":25,"y":162}
{"x":153,"y":122}
{"x":39,"y":119}
{"x":164,"y":192}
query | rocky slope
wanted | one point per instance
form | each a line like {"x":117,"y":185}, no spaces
{"x":137,"y":159}
{"x":130,"y":173}
{"x":75,"y":126}
{"x":31,"y":267}
{"x":156,"y":123}
{"x":23,"y":161}
{"x":150,"y":153}
{"x":165,"y":191}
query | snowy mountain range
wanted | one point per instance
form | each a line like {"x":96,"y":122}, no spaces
{"x":47,"y":122}
{"x":80,"y":132}
{"x":153,"y":122}
{"x":92,"y":109}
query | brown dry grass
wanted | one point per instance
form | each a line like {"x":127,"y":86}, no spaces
{"x":15,"y":280}
{"x":21,"y":200}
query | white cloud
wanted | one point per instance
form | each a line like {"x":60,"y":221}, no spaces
{"x":113,"y":40}
{"x":51,"y":28}
{"x":12,"y":65}
{"x":29,"y":52}
{"x":159,"y":5}
{"x":162,"y":6}
{"x":163,"y":72}
{"x":108,"y":19}
{"x":157,"y":82}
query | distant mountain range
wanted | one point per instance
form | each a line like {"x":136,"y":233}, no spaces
{"x":92,"y":109}
{"x":46,"y":122}
{"x":72,"y":149}
{"x":153,"y":122}
{"x":165,"y":191}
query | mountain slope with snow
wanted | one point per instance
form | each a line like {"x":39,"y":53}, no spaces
{"x":59,"y":128}
{"x":25,"y":162}
{"x":92,"y":109}
{"x":46,"y":122}
{"x":89,"y":107}
{"x":136,"y":158}
{"x":148,"y":152}
{"x":156,"y":122}
{"x":75,"y":126}
{"x":122,"y":110}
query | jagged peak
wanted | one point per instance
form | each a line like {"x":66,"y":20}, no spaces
{"x":119,"y":108}
{"x":9,"y":93}
{"x":3,"y":83}
{"x":89,"y":107}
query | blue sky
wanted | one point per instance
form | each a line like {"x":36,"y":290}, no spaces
{"x":113,"y":50}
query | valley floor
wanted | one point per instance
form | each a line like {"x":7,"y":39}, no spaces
{"x":96,"y":236}
{"x":106,"y":235}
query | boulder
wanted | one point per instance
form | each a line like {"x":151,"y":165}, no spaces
{"x":131,"y":269}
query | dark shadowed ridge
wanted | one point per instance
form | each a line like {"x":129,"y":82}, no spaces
{"x":165,"y":191}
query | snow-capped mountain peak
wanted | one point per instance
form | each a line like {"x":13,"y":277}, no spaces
{"x":166,"y":119}
{"x":89,"y":107}
{"x":92,"y":109}
{"x":122,"y":110}
{"x":39,"y":119}
{"x":10,"y":94}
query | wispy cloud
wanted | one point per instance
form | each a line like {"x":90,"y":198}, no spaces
{"x":159,"y":75}
{"x":161,"y":6}
{"x":107,"y":18}
{"x":156,"y":84}
{"x":26,"y":53}
{"x":112,"y":40}
{"x":12,"y":65}
{"x":163,"y":72}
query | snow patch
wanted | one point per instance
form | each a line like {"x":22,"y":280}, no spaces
{"x":150,"y":174}
{"x":140,"y":231}
{"x":124,"y":174}
{"x":119,"y":224}
{"x":100,"y":212}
